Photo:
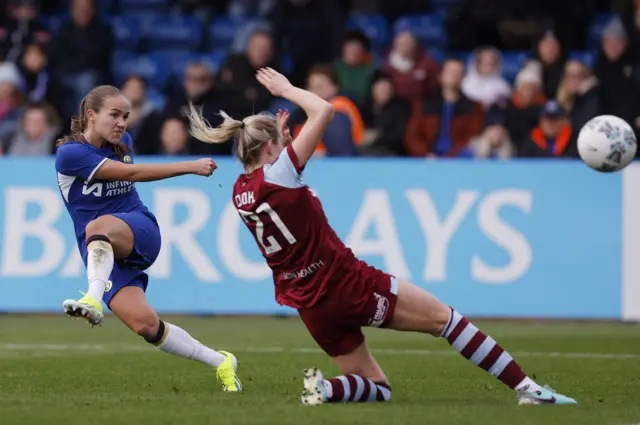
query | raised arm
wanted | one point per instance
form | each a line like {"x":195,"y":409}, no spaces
{"x":319,"y":112}
{"x":118,"y":171}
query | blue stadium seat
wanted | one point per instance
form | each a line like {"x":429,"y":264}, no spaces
{"x":512,"y":63}
{"x":175,"y":59}
{"x":428,"y":29}
{"x":441,"y":6}
{"x":223,"y":30}
{"x":147,"y":5}
{"x":595,"y":29}
{"x":214,"y":59}
{"x":152,"y":68}
{"x":174,"y":32}
{"x":375,"y":27}
{"x":53,"y":22}
{"x":127,"y":31}
{"x":437,"y":54}
{"x":586,"y":57}
{"x":156,"y":98}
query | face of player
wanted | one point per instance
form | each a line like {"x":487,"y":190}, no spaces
{"x":110,"y":122}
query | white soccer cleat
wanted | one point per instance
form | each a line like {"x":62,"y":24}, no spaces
{"x":86,"y":307}
{"x":546,"y":395}
{"x":313,"y":392}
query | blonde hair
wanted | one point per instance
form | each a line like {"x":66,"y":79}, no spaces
{"x":250,"y":134}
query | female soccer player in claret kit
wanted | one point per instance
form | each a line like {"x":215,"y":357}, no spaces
{"x":117,"y":235}
{"x":314,"y":272}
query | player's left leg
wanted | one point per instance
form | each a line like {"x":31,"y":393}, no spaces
{"x":129,"y":304}
{"x":417,"y":310}
{"x":363,"y":379}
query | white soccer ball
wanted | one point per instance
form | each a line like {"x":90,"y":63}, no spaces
{"x":607,"y":143}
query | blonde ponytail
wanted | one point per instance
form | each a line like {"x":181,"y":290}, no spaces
{"x":202,"y":130}
{"x":251,"y":134}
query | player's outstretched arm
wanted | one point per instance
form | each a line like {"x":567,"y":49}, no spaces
{"x":319,"y":112}
{"x":117,"y":171}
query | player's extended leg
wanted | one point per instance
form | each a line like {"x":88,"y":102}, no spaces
{"x":418,"y":311}
{"x":108,"y":238}
{"x":129,"y":304}
{"x":362,"y":380}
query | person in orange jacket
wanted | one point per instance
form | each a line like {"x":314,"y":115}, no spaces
{"x":346,"y":131}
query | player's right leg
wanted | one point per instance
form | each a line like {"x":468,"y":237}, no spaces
{"x":107,"y":238}
{"x":416,"y":310}
{"x":129,"y":304}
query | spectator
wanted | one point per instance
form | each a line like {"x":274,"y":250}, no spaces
{"x":144,"y":120}
{"x":444,"y":125}
{"x":11,"y":99}
{"x":36,"y":134}
{"x":237,"y":77}
{"x":388,"y":119}
{"x":82,"y":53}
{"x":414,"y":72}
{"x":199,"y":89}
{"x":549,"y":54}
{"x":174,"y":137}
{"x":579,"y":94}
{"x":356,"y":68}
{"x":37,"y":82}
{"x":523,"y":110}
{"x":552,"y":137}
{"x":346,"y":131}
{"x":21,"y":26}
{"x":493,"y":143}
{"x":484,"y":82}
{"x":618,"y":74}
{"x":631,"y":20}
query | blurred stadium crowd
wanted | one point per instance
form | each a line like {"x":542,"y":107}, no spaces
{"x":443,"y":78}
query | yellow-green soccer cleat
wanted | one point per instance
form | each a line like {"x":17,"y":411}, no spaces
{"x":87,"y":307}
{"x":226,"y":373}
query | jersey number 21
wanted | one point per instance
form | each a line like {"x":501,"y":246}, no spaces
{"x":273,"y":245}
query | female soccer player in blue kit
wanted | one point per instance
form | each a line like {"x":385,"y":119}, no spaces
{"x":117,"y":235}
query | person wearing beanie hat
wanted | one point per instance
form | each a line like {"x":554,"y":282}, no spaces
{"x":10,"y":98}
{"x":521,"y":111}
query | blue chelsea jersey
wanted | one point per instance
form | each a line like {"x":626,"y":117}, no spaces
{"x":87,"y":198}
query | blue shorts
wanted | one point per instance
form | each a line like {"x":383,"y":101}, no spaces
{"x":146,"y":247}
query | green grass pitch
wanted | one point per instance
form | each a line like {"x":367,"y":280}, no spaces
{"x":59,"y":371}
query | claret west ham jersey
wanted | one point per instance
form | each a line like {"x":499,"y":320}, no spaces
{"x":287,"y":220}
